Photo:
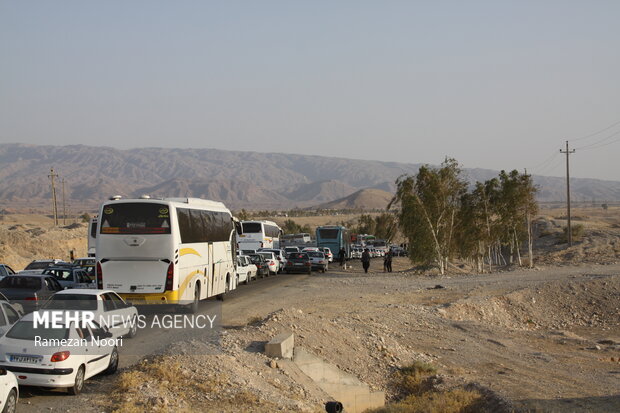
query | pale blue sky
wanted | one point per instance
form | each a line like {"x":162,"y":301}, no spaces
{"x":495,"y":84}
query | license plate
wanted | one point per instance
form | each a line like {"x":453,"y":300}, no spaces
{"x":25,"y":359}
{"x":298,"y":264}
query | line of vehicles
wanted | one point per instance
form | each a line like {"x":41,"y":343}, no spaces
{"x":172,"y":251}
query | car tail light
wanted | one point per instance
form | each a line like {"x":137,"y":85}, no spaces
{"x":289,"y":263}
{"x":169,"y":277}
{"x":99,"y":275}
{"x":308,"y":263}
{"x":33,"y":298}
{"x":60,"y":356}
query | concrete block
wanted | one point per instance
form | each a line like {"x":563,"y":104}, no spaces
{"x":281,"y":346}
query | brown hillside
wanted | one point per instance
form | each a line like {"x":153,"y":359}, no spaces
{"x":368,"y":198}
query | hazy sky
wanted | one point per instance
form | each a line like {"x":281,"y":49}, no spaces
{"x":495,"y":84}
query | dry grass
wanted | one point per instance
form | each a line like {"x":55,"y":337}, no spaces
{"x":411,"y":379}
{"x":415,"y":385}
{"x":452,"y":401}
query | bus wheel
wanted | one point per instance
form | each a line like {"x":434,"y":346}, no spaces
{"x":226,"y":290}
{"x":194,"y":305}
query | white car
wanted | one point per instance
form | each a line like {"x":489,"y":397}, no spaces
{"x":318,"y":260}
{"x":111,"y":311}
{"x":61,"y":356}
{"x":280,"y":256}
{"x":9,"y":391}
{"x":272,"y":262}
{"x":328,"y":253}
{"x":246,"y":270}
{"x":291,"y":250}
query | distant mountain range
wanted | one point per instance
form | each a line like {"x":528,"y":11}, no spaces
{"x":239,"y":179}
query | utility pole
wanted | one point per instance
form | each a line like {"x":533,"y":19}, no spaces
{"x":64,"y":208}
{"x":568,"y":229}
{"x":53,"y":175}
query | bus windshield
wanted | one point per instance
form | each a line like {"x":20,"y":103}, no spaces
{"x":252,"y":227}
{"x":329,"y":233}
{"x":135,"y":218}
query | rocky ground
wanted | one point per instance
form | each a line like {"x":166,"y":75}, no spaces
{"x":535,"y":340}
{"x":24,"y":238}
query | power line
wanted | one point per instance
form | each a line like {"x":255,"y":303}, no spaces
{"x":598,"y":143}
{"x":546,"y":161}
{"x":550,"y":166}
{"x":596,"y":133}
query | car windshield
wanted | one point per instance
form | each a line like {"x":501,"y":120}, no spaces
{"x":256,"y":258}
{"x":315,"y":254}
{"x":26,"y":330}
{"x":26,"y":283}
{"x":38,"y":265}
{"x":267,"y":255}
{"x":60,"y":275}
{"x":72,"y":302}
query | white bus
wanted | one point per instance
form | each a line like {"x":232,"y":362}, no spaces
{"x":171,"y":251}
{"x":92,"y":236}
{"x":259,"y":234}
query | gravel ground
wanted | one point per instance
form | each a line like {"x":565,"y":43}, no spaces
{"x":539,"y":340}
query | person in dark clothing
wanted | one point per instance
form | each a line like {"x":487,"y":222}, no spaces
{"x":342,"y":257}
{"x":387,"y":262}
{"x":366,"y":259}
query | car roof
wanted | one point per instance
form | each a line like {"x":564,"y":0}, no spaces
{"x":84,"y":291}
{"x":64,"y":267}
{"x":30,"y":316}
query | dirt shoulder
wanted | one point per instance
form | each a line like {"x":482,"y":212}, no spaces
{"x":544,"y":340}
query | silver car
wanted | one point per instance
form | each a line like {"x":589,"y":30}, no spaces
{"x":318,"y":260}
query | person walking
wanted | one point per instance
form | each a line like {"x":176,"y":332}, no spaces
{"x":387,"y":262}
{"x":342,"y":257}
{"x":366,"y":260}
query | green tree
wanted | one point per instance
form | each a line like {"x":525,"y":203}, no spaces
{"x":386,"y":226}
{"x":291,"y":227}
{"x":243,"y":215}
{"x":429,"y":205}
{"x":365,"y":224}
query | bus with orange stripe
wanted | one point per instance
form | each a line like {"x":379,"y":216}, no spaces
{"x":168,"y":251}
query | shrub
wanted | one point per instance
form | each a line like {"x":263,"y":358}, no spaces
{"x":577,"y":232}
